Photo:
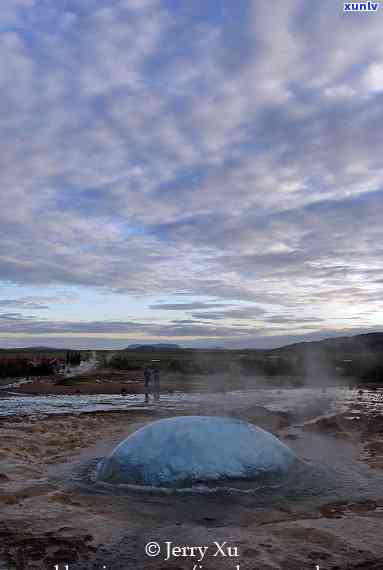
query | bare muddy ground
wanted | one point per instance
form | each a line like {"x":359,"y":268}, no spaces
{"x":51,"y":514}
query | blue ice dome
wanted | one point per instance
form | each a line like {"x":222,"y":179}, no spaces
{"x":194,"y":449}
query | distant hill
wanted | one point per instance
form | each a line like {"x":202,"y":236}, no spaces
{"x":157,"y":346}
{"x":359,"y":357}
{"x":369,"y":342}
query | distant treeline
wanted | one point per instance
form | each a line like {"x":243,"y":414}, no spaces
{"x":124,"y":361}
{"x":359,"y":357}
{"x":199,"y":364}
{"x":72,"y":358}
{"x":307,"y":361}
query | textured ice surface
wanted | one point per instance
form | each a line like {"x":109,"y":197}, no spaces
{"x":191,"y":449}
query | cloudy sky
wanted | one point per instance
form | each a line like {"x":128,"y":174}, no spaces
{"x":207,"y":173}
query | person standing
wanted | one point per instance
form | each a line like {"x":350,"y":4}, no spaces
{"x":147,"y":376}
{"x":156,"y":379}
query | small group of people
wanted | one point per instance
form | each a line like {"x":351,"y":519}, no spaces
{"x":149,"y":375}
{"x":152,"y":374}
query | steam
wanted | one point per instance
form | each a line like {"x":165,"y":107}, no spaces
{"x":85,"y":366}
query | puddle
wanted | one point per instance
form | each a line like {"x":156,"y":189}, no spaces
{"x":328,"y":470}
{"x":307,"y":400}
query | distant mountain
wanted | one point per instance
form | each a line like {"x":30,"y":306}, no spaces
{"x":368,"y":342}
{"x":157,"y":346}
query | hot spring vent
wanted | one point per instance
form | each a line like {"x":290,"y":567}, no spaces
{"x":194,"y":449}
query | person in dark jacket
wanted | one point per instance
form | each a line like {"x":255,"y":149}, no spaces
{"x":147,"y":376}
{"x":156,"y":380}
{"x":156,"y":377}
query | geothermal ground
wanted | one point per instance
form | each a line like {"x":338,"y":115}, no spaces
{"x":330,"y":513}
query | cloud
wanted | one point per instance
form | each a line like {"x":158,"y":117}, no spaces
{"x":29,"y":303}
{"x":226,"y":154}
{"x":185,"y":306}
{"x":245,"y":313}
{"x":16,"y":323}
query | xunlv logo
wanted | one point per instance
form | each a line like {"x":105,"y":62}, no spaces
{"x":360,"y":6}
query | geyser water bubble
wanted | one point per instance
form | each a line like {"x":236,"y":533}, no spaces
{"x":193,"y":449}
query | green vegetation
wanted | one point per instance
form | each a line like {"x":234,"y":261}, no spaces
{"x":73,"y":358}
{"x":359,"y":357}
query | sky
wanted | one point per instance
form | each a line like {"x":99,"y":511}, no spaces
{"x":201,"y":173}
